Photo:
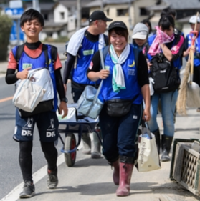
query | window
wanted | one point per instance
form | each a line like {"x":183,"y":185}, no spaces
{"x":62,"y":15}
{"x":108,"y":11}
{"x":143,"y":12}
{"x":122,"y":12}
{"x":45,"y":16}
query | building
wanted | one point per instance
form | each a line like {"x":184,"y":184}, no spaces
{"x":184,"y":10}
{"x":60,"y":17}
{"x":129,"y":11}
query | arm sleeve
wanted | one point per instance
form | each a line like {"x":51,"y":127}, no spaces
{"x":142,"y":70}
{"x":11,"y":76}
{"x":59,"y":84}
{"x":177,"y":50}
{"x":69,"y":64}
{"x":12,"y":64}
{"x":57,"y":63}
{"x":95,"y":63}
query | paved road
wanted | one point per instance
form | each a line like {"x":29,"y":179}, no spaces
{"x":10,"y":174}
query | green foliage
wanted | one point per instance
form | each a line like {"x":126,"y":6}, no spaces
{"x":5,"y":24}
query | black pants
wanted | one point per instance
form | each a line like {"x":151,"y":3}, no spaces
{"x":25,"y":158}
{"x":76,"y":93}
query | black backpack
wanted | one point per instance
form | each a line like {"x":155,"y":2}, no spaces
{"x":165,"y":75}
{"x":20,"y":50}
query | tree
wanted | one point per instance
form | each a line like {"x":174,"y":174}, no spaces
{"x":5,"y":24}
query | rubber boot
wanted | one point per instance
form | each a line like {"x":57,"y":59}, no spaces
{"x":126,"y":170}
{"x":115,"y":165}
{"x":85,"y":142}
{"x":95,"y":145}
{"x":157,"y":135}
{"x":166,"y":147}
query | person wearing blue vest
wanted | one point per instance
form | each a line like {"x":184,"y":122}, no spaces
{"x":140,"y":35}
{"x":35,"y":55}
{"x":188,"y":40}
{"x":171,"y":46}
{"x":125,"y":84}
{"x":80,"y":50}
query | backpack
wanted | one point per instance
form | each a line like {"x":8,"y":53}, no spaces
{"x":20,"y":50}
{"x":165,"y":76}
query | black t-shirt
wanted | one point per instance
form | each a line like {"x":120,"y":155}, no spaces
{"x":142,"y":68}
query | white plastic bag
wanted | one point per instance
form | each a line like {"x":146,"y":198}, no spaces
{"x":37,"y":88}
{"x":27,"y":95}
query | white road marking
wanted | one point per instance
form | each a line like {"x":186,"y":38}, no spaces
{"x":37,"y":176}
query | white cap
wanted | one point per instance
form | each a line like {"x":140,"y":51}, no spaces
{"x":193,"y":19}
{"x":140,"y":31}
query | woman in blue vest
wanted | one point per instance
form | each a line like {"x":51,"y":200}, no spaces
{"x":170,"y":45}
{"x":125,"y":84}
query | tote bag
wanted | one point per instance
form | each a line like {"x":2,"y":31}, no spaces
{"x":148,"y":158}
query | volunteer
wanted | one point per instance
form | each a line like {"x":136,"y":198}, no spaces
{"x":80,"y":50}
{"x":169,"y":46}
{"x":124,"y":87}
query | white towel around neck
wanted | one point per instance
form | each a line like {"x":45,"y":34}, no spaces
{"x":77,"y":38}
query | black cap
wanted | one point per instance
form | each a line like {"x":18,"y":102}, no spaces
{"x":99,"y":15}
{"x":119,"y":24}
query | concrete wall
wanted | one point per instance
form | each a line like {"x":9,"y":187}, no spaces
{"x":111,"y":12}
{"x":141,"y":4}
{"x":57,"y":13}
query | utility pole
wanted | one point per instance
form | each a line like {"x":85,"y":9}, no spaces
{"x":78,"y":14}
{"x":101,"y":7}
{"x":35,"y":5}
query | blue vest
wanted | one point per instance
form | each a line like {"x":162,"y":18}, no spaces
{"x":84,"y":57}
{"x":37,"y":63}
{"x":176,"y":63}
{"x":131,"y":81}
{"x":197,"y":45}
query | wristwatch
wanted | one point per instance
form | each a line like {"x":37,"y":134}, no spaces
{"x":64,"y":100}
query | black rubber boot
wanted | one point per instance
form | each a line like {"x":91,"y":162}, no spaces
{"x":166,"y":147}
{"x":157,"y":135}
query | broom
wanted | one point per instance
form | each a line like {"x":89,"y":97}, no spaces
{"x":182,"y":96}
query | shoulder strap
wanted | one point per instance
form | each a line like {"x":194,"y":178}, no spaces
{"x":103,"y":53}
{"x":18,"y":54}
{"x":45,"y":50}
{"x":136,"y":53}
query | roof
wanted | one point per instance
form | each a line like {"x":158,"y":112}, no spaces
{"x":157,"y":7}
{"x":70,"y":3}
{"x":183,"y":4}
{"x":106,"y":2}
{"x":43,"y":6}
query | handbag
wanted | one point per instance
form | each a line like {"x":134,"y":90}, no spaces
{"x":148,"y":158}
{"x":27,"y":95}
{"x":34,"y":95}
{"x":88,"y":104}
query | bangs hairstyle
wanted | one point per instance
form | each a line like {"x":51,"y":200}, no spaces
{"x":165,"y":22}
{"x":119,"y":31}
{"x":30,"y":15}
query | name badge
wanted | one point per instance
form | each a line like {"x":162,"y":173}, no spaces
{"x":88,"y":52}
{"x":25,"y":66}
